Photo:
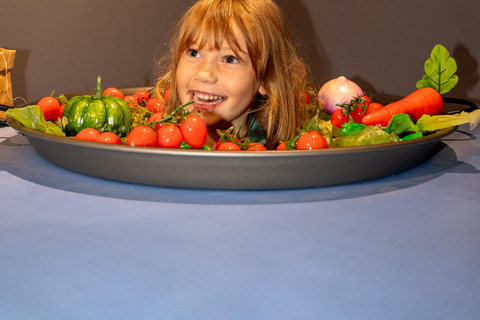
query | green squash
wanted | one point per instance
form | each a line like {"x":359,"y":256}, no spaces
{"x":102,"y":112}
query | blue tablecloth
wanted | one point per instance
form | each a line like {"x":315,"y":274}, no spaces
{"x":401,"y":247}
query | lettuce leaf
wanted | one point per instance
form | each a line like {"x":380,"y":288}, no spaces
{"x":32,"y":118}
{"x":401,"y":123}
{"x":432,"y":123}
{"x":368,"y":136}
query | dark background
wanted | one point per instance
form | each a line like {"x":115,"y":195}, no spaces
{"x":63,"y":45}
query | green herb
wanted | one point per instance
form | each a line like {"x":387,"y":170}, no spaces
{"x":440,"y":71}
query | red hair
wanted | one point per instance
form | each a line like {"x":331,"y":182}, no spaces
{"x":275,"y":61}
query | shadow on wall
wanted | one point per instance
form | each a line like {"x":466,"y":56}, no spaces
{"x":304,"y":34}
{"x":467,"y":71}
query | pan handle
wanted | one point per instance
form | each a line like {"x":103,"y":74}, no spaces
{"x":465,"y":105}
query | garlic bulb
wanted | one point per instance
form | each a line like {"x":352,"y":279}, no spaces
{"x":337,"y":91}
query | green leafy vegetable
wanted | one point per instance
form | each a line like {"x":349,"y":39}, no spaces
{"x":32,"y":118}
{"x":368,"y":136}
{"x":350,"y":128}
{"x":401,"y":123}
{"x":413,"y":136}
{"x":440,"y":71}
{"x":432,"y":123}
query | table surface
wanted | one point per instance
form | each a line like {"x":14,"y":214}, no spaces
{"x":401,"y":247}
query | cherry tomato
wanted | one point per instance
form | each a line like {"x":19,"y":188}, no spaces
{"x":114,"y":92}
{"x":169,"y":136}
{"x":154,"y":105}
{"x":282,"y":146}
{"x":311,"y":140}
{"x":108,"y":137}
{"x":194,"y":131}
{"x":142,"y":136}
{"x":228,"y":146}
{"x":60,"y":111}
{"x":217,"y":145}
{"x":166,"y":95}
{"x":50,"y":108}
{"x":142,"y":96}
{"x":156,"y":117}
{"x":358,"y":114}
{"x":366,"y":101}
{"x":256,"y":146}
{"x":373,"y":106}
{"x":88,"y":134}
{"x":131,"y":100}
{"x":360,"y":111}
{"x":338,"y":118}
{"x":307,"y":98}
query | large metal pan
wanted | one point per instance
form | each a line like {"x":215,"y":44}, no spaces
{"x":186,"y":168}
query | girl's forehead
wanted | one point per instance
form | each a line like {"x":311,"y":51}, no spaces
{"x":216,"y":38}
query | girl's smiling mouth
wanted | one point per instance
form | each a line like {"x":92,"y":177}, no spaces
{"x":206,"y":100}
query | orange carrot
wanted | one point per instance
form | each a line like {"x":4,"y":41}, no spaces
{"x":422,"y":101}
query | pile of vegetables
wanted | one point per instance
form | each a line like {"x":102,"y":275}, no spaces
{"x":356,"y":120}
{"x":343,"y":116}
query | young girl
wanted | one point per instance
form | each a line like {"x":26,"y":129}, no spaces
{"x":235,"y":59}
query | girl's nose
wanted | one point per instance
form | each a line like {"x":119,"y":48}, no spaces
{"x":206,"y":73}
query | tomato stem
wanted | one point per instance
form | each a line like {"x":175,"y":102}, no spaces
{"x":172,"y":115}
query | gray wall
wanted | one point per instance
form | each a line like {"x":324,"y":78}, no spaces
{"x":63,"y":45}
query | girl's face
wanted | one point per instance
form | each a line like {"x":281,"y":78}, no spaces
{"x":222,"y":84}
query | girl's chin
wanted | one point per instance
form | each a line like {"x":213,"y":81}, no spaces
{"x":205,"y":108}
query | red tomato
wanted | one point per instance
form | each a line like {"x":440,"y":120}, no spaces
{"x":282,"y":146}
{"x":50,"y":108}
{"x":142,"y":136}
{"x":108,"y":137}
{"x":307,"y":98}
{"x":217,"y":145}
{"x":114,"y":92}
{"x":166,"y":95}
{"x":256,"y":146}
{"x":338,"y":118}
{"x":154,"y":105}
{"x":156,"y":117}
{"x":311,"y":140}
{"x":169,"y":136}
{"x":228,"y":146}
{"x":360,"y":111}
{"x":373,"y":106}
{"x":358,"y":114}
{"x":131,"y":100}
{"x":366,"y":101}
{"x":142,"y":96}
{"x":88,"y":134}
{"x":194,"y":131}
{"x":60,"y":111}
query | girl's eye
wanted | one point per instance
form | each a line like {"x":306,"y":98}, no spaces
{"x":231,"y":59}
{"x":193,"y":53}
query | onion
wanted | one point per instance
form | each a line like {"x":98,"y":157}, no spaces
{"x":337,"y":91}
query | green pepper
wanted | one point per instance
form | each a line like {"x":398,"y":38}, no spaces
{"x":98,"y":111}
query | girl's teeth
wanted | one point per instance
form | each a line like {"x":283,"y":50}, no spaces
{"x":207,"y":98}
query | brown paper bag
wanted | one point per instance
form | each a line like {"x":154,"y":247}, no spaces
{"x":7,"y":57}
